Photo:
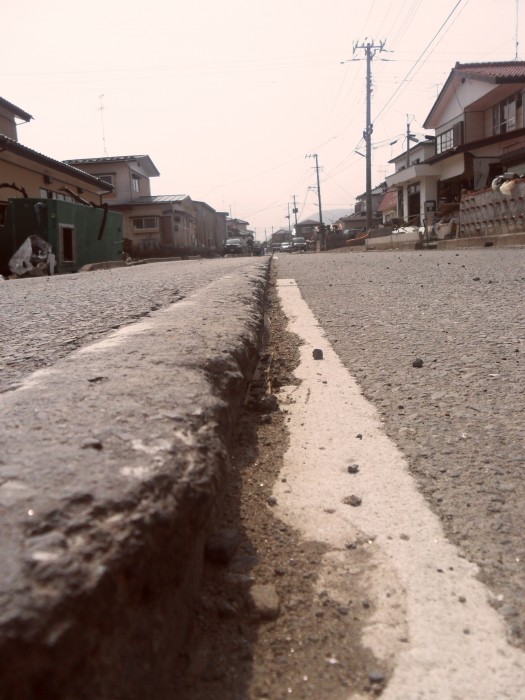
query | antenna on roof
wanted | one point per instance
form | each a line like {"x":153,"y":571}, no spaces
{"x":101,"y":110}
{"x":516,"y":58}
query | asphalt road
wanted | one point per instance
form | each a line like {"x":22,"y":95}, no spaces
{"x":44,"y":319}
{"x":458,"y":418}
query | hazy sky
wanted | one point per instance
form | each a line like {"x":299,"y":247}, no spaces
{"x":227,"y":97}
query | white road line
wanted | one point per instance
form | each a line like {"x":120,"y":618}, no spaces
{"x":432,"y":622}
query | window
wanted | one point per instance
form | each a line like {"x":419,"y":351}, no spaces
{"x":145,"y":223}
{"x":135,"y":182}
{"x":49,"y":194}
{"x":504,"y":114}
{"x":106,"y":177}
{"x":445,"y":141}
{"x":451,"y":138}
{"x":67,"y":244}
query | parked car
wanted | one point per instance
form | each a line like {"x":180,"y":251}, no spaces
{"x":299,"y":243}
{"x":286,"y":247}
{"x":233,"y":246}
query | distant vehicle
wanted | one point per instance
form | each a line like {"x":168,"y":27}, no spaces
{"x":286,"y":247}
{"x":233,"y":246}
{"x":257,"y":248}
{"x":298,"y":244}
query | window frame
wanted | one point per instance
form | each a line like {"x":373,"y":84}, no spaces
{"x":505,"y":114}
{"x":445,"y":141}
{"x":143,"y":227}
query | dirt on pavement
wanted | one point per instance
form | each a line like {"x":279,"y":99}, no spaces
{"x":262,"y":629}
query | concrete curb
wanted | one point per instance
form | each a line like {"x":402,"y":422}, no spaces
{"x":507,"y":239}
{"x":112,"y":461}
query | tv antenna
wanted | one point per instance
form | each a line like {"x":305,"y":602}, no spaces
{"x":101,"y":110}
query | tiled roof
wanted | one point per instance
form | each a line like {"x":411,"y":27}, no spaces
{"x":501,"y":72}
{"x":147,"y":163}
{"x":15,"y":110}
{"x":10,"y":145}
{"x":106,"y":159}
{"x":161,"y":199}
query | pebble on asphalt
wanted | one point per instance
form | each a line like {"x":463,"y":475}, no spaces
{"x":92,"y":443}
{"x":352,"y":501}
{"x":418,"y":362}
{"x":317,"y":354}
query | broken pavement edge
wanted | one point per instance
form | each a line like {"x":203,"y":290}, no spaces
{"x":111,"y":463}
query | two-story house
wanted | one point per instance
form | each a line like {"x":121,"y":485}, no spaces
{"x":479,"y":125}
{"x":28,"y":173}
{"x":156,"y":224}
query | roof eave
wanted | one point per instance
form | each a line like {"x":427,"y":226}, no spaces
{"x":8,"y":144}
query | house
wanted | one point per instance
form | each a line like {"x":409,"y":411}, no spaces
{"x":479,"y":126}
{"x":48,"y":200}
{"x":353,"y":227}
{"x":388,"y":206}
{"x":376,"y":196}
{"x":307,"y":229}
{"x":238,"y":228}
{"x":211,"y":227}
{"x":280,"y":236}
{"x":25,"y":172}
{"x":156,"y":224}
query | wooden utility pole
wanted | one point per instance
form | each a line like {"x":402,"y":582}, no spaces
{"x":321,"y":225}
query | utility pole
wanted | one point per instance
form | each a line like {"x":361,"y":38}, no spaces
{"x":321,"y":225}
{"x":370,"y":50}
{"x":295,"y":210}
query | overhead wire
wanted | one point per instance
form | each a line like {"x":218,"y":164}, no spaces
{"x":338,"y":169}
{"x":417,"y":63}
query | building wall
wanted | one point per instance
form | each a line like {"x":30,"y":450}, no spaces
{"x":221,"y":229}
{"x":467,"y":93}
{"x":78,"y":234}
{"x":122,"y":179}
{"x":205,"y":225}
{"x":475,"y":126}
{"x":32,"y":176}
{"x":7,"y":124}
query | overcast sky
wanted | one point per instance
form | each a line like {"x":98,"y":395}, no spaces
{"x":228,"y":97}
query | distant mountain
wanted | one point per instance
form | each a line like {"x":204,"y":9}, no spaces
{"x":330,"y":215}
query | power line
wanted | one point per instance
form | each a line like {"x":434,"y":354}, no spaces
{"x":405,"y":79}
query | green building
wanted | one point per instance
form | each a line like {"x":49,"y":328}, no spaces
{"x":78,"y":234}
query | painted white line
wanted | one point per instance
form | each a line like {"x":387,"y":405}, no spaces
{"x":432,"y":622}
